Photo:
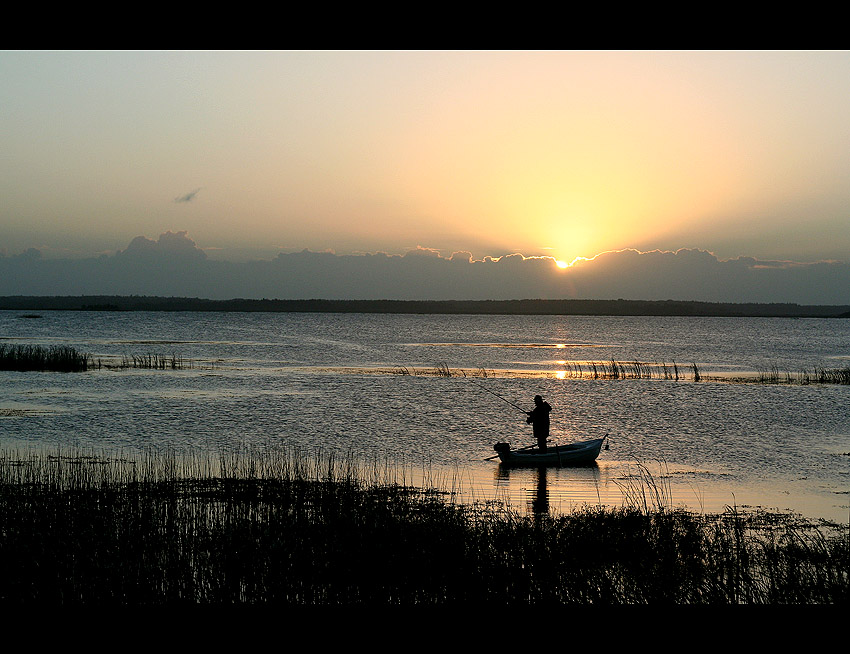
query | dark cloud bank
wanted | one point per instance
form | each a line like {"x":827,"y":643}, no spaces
{"x":174,"y":266}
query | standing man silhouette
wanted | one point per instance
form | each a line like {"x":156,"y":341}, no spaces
{"x":539,"y":419}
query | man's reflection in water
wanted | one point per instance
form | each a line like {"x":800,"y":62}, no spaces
{"x":540,"y":498}
{"x":581,"y":483}
{"x":540,"y":503}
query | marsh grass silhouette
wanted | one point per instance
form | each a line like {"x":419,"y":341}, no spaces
{"x":635,"y":369}
{"x":35,"y":357}
{"x":23,"y":358}
{"x":154,"y":362}
{"x":816,"y":376}
{"x":288,"y":528}
{"x":803,"y":377}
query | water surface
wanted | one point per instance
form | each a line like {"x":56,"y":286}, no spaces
{"x":336,"y":382}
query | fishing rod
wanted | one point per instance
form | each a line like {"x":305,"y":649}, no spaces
{"x":519,"y":408}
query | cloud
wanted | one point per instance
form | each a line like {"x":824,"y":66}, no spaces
{"x":461,"y":257}
{"x":173,"y":265}
{"x":170,"y":245}
{"x":188,"y":197}
{"x":419,"y":251}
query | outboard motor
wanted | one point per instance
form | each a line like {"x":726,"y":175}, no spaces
{"x":502,"y":447}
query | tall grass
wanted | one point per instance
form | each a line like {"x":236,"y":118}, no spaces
{"x":635,"y":369}
{"x":67,"y":359}
{"x":293,"y":529}
{"x":627,"y":370}
{"x":571,"y":369}
{"x":154,"y":362}
{"x":817,"y":376}
{"x":442,"y":370}
{"x":826,"y":376}
{"x":35,"y":357}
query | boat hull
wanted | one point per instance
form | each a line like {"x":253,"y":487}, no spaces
{"x":574,"y":454}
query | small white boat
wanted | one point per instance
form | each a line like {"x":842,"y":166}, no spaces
{"x":574,"y":454}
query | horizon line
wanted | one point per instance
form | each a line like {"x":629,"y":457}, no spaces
{"x":418,"y":250}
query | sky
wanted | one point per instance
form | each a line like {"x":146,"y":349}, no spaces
{"x":564,"y":154}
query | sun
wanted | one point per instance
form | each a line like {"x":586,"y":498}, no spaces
{"x":561,"y":264}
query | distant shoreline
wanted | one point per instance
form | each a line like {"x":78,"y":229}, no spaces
{"x":475,"y":307}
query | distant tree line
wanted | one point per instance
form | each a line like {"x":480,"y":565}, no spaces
{"x":618,"y":307}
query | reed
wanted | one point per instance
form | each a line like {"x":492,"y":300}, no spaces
{"x":283,"y":527}
{"x":37,"y":358}
{"x":804,"y":377}
{"x":645,"y":492}
{"x":442,"y":370}
{"x":67,"y":359}
{"x":619,"y":370}
{"x":154,"y":362}
{"x":830,"y":376}
{"x":626,"y":370}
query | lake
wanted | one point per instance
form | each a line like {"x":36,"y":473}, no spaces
{"x":429,"y":395}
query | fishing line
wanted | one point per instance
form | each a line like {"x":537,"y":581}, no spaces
{"x":518,"y":408}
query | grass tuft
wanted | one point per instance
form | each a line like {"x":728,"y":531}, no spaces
{"x":154,"y":362}
{"x":24,"y":358}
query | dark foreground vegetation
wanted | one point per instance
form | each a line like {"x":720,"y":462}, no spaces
{"x":309,"y":531}
{"x":487,"y":307}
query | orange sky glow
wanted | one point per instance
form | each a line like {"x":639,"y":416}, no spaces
{"x":559,"y":153}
